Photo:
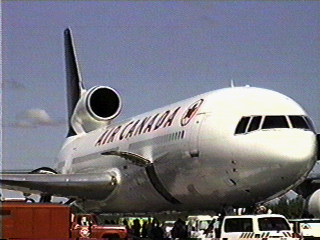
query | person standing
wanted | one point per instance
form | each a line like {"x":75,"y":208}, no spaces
{"x":179,"y":229}
{"x":157,"y":231}
{"x":145,"y":226}
{"x":136,"y":228}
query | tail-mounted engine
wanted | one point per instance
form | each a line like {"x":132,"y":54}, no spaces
{"x":95,"y":108}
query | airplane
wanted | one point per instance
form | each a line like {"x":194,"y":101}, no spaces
{"x":232,"y":147}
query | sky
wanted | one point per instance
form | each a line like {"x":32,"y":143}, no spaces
{"x":153,"y":53}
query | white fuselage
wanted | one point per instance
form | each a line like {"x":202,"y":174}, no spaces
{"x":199,"y":160}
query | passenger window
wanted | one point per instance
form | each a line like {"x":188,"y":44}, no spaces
{"x":275,"y":122}
{"x":255,"y":123}
{"x":242,"y":125}
{"x":298,"y":122}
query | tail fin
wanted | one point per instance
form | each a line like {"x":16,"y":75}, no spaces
{"x":74,"y":82}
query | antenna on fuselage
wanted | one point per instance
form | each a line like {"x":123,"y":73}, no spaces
{"x":232,"y":83}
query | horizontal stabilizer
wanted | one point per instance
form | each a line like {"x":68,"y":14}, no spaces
{"x":89,"y":185}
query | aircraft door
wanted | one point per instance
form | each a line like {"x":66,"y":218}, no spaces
{"x":194,"y":134}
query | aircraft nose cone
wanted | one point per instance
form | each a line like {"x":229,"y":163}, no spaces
{"x":286,"y":159}
{"x":295,"y":148}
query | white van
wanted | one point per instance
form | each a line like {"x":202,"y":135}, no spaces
{"x":254,"y":226}
{"x":197,"y":225}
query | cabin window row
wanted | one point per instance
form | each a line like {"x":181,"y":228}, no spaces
{"x":176,"y":136}
{"x":252,"y":123}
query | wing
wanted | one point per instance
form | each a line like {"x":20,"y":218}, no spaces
{"x":95,"y":186}
{"x":90,"y":185}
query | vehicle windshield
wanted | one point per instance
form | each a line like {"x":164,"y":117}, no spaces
{"x":273,"y":224}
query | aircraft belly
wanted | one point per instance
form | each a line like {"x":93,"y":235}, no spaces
{"x":165,"y":185}
{"x":135,"y":193}
{"x":138,"y":194}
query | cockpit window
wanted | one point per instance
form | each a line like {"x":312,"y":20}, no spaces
{"x":298,"y":122}
{"x":241,"y":128}
{"x":275,"y":122}
{"x":310,"y":124}
{"x":255,"y":123}
{"x":251,"y":123}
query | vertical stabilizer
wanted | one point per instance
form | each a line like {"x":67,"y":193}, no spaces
{"x":74,"y":82}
